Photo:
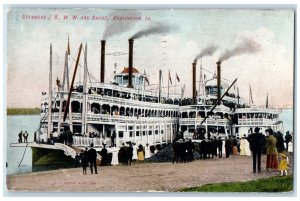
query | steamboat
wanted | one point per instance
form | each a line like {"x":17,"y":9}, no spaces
{"x":106,"y":113}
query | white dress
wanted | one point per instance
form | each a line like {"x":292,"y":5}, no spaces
{"x":114,"y":160}
{"x":147,"y":152}
{"x":134,"y":154}
{"x":223,"y":148}
{"x":244,"y":147}
{"x":290,"y":147}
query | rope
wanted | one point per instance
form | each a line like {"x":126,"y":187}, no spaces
{"x":23,"y":154}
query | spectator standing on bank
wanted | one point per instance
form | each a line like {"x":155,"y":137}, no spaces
{"x":92,"y":155}
{"x":256,"y":141}
{"x":220,"y":147}
{"x":141,"y":155}
{"x":84,"y":159}
{"x":288,"y":138}
{"x":272,"y":152}
{"x":227,"y":147}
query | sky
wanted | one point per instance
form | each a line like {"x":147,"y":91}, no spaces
{"x":270,"y":70}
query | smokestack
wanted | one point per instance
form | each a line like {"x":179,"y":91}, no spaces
{"x":194,"y":83}
{"x":219,"y":81}
{"x":130,"y":63}
{"x":102,"y":73}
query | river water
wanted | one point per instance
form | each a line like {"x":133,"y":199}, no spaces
{"x":16,"y":123}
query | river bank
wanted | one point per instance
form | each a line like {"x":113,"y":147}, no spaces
{"x":141,"y":177}
{"x":23,"y":111}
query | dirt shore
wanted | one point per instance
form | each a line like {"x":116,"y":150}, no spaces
{"x":141,"y":177}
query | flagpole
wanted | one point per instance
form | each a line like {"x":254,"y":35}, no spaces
{"x":168,"y":83}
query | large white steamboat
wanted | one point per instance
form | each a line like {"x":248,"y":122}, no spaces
{"x":123,"y":110}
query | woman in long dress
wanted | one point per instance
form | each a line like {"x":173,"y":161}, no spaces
{"x":114,"y":160}
{"x":147,"y":151}
{"x":244,"y":147}
{"x":272,"y":153}
{"x":141,"y":155}
{"x":134,"y":155}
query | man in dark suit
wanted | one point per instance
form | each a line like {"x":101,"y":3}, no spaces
{"x":288,"y":138}
{"x":130,"y":153}
{"x":104,"y":156}
{"x":227,"y":146}
{"x":92,"y":155}
{"x":256,"y":141}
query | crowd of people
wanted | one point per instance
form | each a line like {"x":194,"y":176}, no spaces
{"x":272,"y":144}
{"x":124,"y":155}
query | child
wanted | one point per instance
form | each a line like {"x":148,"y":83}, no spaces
{"x":284,"y":164}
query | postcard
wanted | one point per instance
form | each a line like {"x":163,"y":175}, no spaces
{"x":150,"y":100}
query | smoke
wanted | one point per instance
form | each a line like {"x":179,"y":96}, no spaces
{"x":208,"y":51}
{"x":247,"y":46}
{"x":115,"y":27}
{"x":157,"y":28}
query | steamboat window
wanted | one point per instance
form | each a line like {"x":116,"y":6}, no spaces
{"x":150,"y":132}
{"x":130,"y":127}
{"x":118,"y":79}
{"x":137,"y":133}
{"x":125,"y":79}
{"x":236,"y":130}
{"x":144,"y":133}
{"x":121,"y":134}
{"x":156,"y":132}
{"x":130,"y":133}
{"x":162,"y":131}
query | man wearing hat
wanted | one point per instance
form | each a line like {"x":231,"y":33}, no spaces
{"x":256,"y":141}
{"x":92,"y":156}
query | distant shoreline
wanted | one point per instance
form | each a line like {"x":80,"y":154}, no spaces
{"x":23,"y":111}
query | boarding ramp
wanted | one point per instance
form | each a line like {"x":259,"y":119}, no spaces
{"x":69,"y":151}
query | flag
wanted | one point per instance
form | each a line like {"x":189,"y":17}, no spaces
{"x":250,"y":95}
{"x":146,"y":79}
{"x":170,"y":77}
{"x":177,"y":78}
{"x":267,"y":102}
{"x":182,"y":90}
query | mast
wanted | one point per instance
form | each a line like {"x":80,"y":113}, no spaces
{"x":69,"y":63}
{"x":71,"y":87}
{"x":168,"y":84}
{"x":219,"y":81}
{"x":61,"y":93}
{"x":83,"y":123}
{"x":50,"y":96}
{"x":159,"y":87}
{"x":65,"y":76}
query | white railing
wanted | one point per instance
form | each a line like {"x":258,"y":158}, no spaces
{"x":209,"y":121}
{"x":131,"y":102}
{"x":120,"y":118}
{"x":256,"y":121}
{"x":68,"y":151}
{"x":86,"y":141}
